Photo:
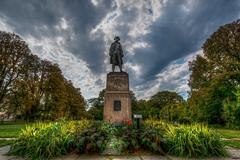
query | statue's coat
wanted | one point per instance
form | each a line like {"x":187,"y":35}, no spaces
{"x":116,"y":53}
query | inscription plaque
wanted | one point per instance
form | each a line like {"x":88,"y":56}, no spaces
{"x":117,"y":105}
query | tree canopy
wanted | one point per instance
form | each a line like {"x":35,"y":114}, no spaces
{"x":31,"y":88}
{"x":215,"y":74}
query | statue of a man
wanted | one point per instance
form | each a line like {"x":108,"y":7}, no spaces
{"x":116,"y":54}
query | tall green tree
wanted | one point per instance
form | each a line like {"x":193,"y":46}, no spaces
{"x":75,"y":102}
{"x":215,"y":74}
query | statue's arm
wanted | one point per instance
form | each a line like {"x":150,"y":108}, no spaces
{"x":121,"y":51}
{"x":111,"y":50}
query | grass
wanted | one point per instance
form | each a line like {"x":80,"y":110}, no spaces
{"x":231,"y":137}
{"x":232,"y":143}
{"x":10,"y":130}
{"x":5,"y":142}
{"x":229,"y":133}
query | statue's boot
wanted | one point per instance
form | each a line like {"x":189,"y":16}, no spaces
{"x":113,"y":68}
{"x":120,"y":67}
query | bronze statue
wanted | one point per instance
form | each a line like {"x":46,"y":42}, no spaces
{"x":116,"y":54}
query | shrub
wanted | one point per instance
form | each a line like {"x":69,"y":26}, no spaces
{"x":117,"y":144}
{"x":131,"y":138}
{"x":46,"y":140}
{"x":151,"y":139}
{"x":156,"y":124}
{"x":92,"y":139}
{"x":119,"y":138}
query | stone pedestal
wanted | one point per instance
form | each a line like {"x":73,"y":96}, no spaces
{"x":117,"y":104}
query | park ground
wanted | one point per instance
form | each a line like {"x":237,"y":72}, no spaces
{"x":10,"y":130}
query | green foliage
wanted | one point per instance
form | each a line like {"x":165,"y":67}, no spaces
{"x":194,"y":141}
{"x":231,"y":111}
{"x":47,"y":140}
{"x":187,"y":140}
{"x":14,"y":54}
{"x":152,"y":140}
{"x":34,"y":89}
{"x":206,"y":104}
{"x":231,"y":137}
{"x":214,"y":76}
{"x":117,"y":144}
{"x":121,"y":138}
{"x":5,"y":142}
{"x":164,"y":98}
{"x":96,"y":106}
{"x":91,"y":140}
{"x":229,"y":134}
{"x":10,"y":130}
{"x":232,"y":143}
{"x":166,"y":105}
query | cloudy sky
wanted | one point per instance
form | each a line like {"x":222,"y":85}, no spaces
{"x":159,"y":37}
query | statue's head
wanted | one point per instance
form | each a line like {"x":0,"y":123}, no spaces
{"x":116,"y":38}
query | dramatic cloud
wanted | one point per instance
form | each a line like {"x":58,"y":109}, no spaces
{"x":159,"y":37}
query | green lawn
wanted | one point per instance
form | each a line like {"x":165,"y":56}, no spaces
{"x":229,"y":133}
{"x":10,"y":130}
{"x":232,"y":137}
{"x":232,"y":143}
{"x":5,"y":142}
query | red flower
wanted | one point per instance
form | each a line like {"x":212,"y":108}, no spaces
{"x":129,"y":122}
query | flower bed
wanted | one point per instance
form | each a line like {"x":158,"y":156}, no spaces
{"x":48,"y":140}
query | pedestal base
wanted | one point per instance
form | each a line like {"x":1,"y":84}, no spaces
{"x":117,"y":104}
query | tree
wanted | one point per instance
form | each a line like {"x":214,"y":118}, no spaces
{"x":163,"y":105}
{"x":75,"y":102}
{"x":231,"y":110}
{"x":13,"y":59}
{"x":215,"y":74}
{"x":163,"y":98}
{"x":34,"y":89}
{"x":96,"y":106}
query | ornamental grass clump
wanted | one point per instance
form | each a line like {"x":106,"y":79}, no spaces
{"x":193,"y":141}
{"x":46,"y":140}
